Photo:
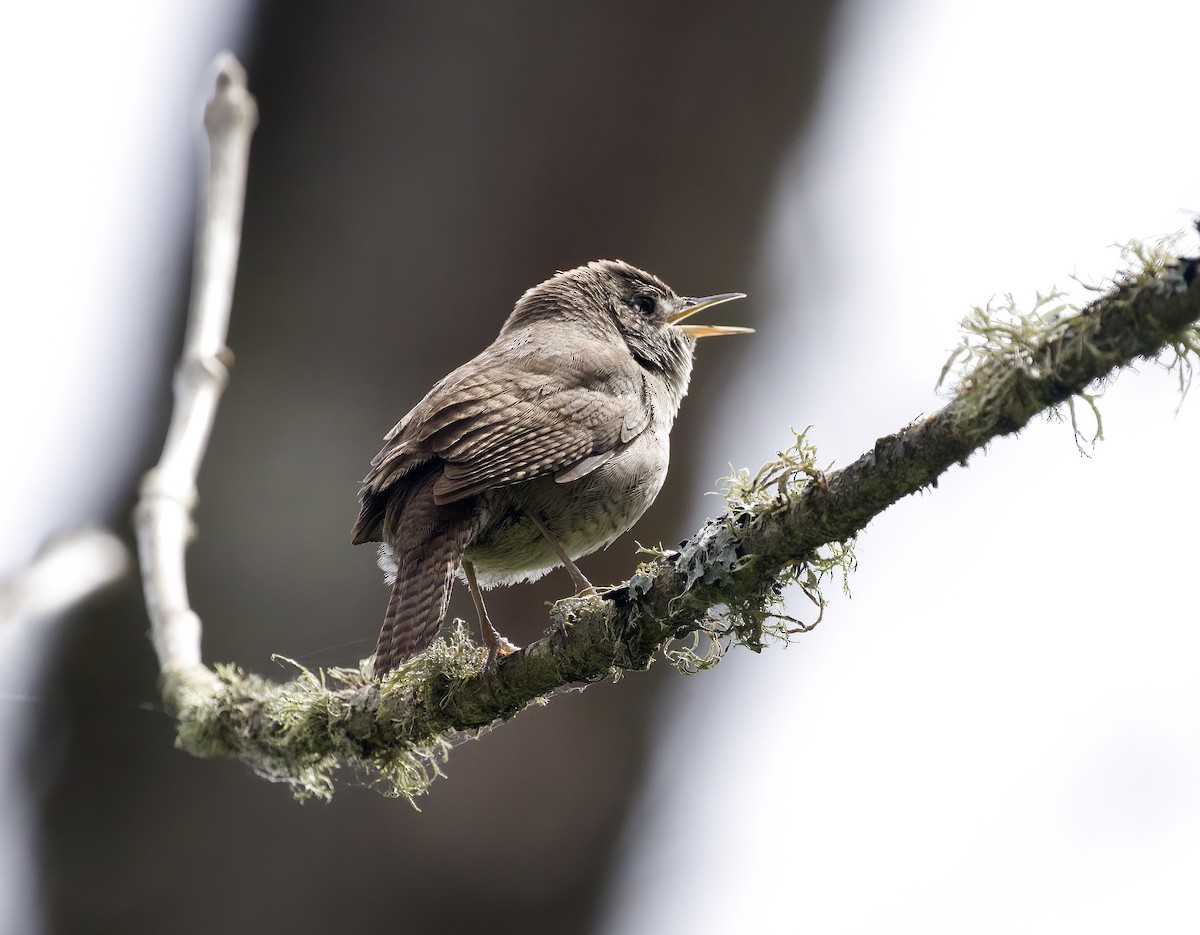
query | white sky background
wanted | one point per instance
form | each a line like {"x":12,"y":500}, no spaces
{"x":101,"y":104}
{"x":1001,"y":730}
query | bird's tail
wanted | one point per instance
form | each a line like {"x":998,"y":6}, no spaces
{"x":424,"y":576}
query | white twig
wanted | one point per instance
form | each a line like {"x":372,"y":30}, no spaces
{"x":67,"y":570}
{"x":168,"y":492}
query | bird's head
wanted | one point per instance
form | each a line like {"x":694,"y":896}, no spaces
{"x":611,"y":298}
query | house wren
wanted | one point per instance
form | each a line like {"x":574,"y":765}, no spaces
{"x":544,"y":448}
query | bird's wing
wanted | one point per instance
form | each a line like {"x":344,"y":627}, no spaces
{"x":523,"y":427}
{"x":507,"y":422}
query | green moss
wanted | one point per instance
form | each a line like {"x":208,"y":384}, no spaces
{"x":301,"y":732}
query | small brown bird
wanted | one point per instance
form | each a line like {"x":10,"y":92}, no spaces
{"x":544,"y":448}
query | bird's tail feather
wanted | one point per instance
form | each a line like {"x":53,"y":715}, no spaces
{"x":421,"y":592}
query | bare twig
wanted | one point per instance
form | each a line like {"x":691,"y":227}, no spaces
{"x":168,"y":493}
{"x":66,"y":571}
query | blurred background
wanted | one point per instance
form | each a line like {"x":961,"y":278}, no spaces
{"x":1001,"y":729}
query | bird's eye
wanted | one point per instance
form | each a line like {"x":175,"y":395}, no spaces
{"x":644,"y":303}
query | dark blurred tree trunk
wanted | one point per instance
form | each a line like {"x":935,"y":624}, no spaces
{"x":417,"y":166}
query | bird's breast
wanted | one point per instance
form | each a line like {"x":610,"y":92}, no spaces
{"x":583,"y":515}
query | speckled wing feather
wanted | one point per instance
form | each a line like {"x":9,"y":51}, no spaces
{"x":499,"y":424}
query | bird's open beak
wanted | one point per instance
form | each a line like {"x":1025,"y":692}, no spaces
{"x":705,"y":331}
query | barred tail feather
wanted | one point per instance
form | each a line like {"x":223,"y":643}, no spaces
{"x":420,"y":595}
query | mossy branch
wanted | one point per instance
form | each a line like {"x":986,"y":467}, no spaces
{"x":723,"y":582}
{"x":790,"y":523}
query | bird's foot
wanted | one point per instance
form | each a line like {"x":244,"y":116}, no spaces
{"x":498,"y":647}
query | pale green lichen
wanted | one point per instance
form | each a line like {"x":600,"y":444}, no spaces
{"x":642,"y":578}
{"x":1004,"y":351}
{"x":793,"y":473}
{"x":714,"y":556}
{"x":757,"y":620}
{"x":1146,"y":258}
{"x":787,"y":475}
{"x":1001,"y":346}
{"x":1158,"y":264}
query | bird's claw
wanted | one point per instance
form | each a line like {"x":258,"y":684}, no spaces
{"x":498,"y":648}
